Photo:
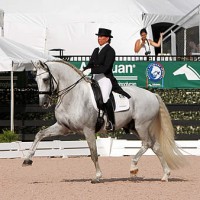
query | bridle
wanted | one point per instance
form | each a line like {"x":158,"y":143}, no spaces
{"x":52,"y":91}
{"x":51,"y":77}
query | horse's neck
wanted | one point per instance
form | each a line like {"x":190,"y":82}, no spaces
{"x":67,"y":78}
{"x":63,"y":74}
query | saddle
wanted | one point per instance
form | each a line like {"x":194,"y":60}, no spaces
{"x":99,"y":101}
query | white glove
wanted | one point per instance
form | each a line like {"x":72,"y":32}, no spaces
{"x":87,"y":72}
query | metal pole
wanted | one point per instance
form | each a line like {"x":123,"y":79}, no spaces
{"x":199,"y":23}
{"x":185,"y":42}
{"x":177,"y":23}
{"x":12,"y":101}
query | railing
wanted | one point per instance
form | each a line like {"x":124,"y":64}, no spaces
{"x":167,"y":57}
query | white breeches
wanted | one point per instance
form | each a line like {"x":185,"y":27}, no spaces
{"x":105,"y":85}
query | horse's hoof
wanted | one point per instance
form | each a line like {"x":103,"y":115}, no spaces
{"x":164,"y":179}
{"x":27,"y":163}
{"x":93,"y":181}
{"x":134,"y":171}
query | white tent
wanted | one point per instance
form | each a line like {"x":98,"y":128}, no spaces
{"x":72,"y":24}
{"x":17,"y":57}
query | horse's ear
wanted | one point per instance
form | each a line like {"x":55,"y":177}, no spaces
{"x":41,"y":63}
{"x":35,"y":66}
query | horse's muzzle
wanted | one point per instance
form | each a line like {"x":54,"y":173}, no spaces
{"x":44,"y":101}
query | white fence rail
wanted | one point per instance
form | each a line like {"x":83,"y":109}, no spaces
{"x":105,"y":146}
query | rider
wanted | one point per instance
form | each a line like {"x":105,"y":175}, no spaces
{"x":100,"y":66}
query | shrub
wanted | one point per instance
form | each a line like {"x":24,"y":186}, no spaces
{"x":8,"y":136}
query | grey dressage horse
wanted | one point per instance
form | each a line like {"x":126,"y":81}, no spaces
{"x":75,"y":112}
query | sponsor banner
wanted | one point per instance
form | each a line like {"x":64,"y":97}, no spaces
{"x":154,"y":74}
{"x":164,"y":74}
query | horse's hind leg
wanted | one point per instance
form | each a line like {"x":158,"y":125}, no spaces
{"x":91,"y":140}
{"x":146,"y":143}
{"x":166,"y":169}
{"x":53,"y":130}
{"x":135,"y":159}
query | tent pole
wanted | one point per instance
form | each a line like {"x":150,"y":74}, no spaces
{"x":185,"y":42}
{"x":199,"y":23}
{"x":12,"y":102}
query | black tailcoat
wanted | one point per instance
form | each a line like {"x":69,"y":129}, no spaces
{"x":102,"y":63}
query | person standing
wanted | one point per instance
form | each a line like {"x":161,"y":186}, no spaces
{"x":143,"y":45}
{"x":100,"y":66}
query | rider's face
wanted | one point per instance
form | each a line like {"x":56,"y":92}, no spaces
{"x":102,"y":40}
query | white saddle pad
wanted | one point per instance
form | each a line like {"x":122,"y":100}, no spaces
{"x":122,"y":102}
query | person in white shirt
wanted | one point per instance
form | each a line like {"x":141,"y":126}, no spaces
{"x":143,"y":45}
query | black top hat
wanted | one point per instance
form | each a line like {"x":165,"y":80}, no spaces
{"x":104,"y":32}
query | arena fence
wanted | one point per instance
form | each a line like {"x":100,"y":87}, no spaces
{"x":105,"y":147}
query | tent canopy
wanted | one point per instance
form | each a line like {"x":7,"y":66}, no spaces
{"x":72,"y":24}
{"x":18,"y":57}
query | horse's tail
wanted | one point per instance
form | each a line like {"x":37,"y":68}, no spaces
{"x":170,"y":151}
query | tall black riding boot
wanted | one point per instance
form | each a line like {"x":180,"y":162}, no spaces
{"x":110,"y":115}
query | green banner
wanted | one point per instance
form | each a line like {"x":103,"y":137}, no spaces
{"x":163,"y":74}
{"x":168,"y":74}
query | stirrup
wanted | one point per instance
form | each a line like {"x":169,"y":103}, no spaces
{"x":110,"y":126}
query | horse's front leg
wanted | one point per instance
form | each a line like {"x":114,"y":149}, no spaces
{"x":53,"y":130}
{"x":91,"y":140}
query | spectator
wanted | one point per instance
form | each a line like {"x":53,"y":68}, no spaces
{"x":142,"y":45}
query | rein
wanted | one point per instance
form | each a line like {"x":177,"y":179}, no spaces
{"x":58,"y":93}
{"x":66,"y":90}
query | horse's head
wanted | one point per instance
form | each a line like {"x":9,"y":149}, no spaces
{"x":46,"y":84}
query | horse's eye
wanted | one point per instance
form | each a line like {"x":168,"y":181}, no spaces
{"x":45,"y":79}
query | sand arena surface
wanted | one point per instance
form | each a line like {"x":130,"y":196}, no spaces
{"x":69,"y":179}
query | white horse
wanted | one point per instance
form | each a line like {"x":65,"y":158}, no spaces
{"x":190,"y":73}
{"x":148,"y":116}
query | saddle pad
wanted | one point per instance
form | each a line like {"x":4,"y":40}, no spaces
{"x":122,"y":102}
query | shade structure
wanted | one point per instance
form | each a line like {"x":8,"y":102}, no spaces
{"x":18,"y":57}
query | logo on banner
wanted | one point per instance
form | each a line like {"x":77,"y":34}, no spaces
{"x":155,"y":73}
{"x":189,"y":72}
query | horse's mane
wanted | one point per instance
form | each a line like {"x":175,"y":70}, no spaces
{"x":74,"y":68}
